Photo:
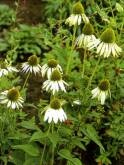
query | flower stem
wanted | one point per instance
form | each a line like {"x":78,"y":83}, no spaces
{"x":26,"y":80}
{"x":111,"y":8}
{"x":41,"y":160}
{"x":84,"y":63}
{"x":72,"y":47}
{"x":52,"y":157}
{"x":94,"y":71}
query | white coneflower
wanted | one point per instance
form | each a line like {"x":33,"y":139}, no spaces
{"x":87,"y":38}
{"x":106,"y":45}
{"x":102,"y":91}
{"x":11,"y":98}
{"x":54,"y":112}
{"x":77,"y":16}
{"x":32,"y":65}
{"x":55,"y":83}
{"x":48,"y":68}
{"x":6,"y":68}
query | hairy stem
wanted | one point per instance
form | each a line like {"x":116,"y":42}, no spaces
{"x":52,"y":157}
{"x":70,"y":56}
{"x":93,"y":73}
{"x":26,"y":81}
{"x":44,"y":149}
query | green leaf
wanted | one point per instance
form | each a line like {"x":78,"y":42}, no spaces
{"x":18,"y":157}
{"x":54,"y":138}
{"x":3,"y":45}
{"x":65,"y":131}
{"x":77,"y":142}
{"x":75,"y":161}
{"x":91,"y":133}
{"x":119,"y":7}
{"x":31,"y":149}
{"x":32,"y":160}
{"x":65,"y":153}
{"x":38,"y":136}
{"x":30,"y":124}
{"x":19,"y":136}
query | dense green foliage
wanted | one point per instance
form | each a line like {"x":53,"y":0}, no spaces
{"x":93,"y":133}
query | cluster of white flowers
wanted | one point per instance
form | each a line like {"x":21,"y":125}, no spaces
{"x":52,"y":70}
{"x":105,"y":45}
{"x":12,"y":96}
{"x":54,"y":83}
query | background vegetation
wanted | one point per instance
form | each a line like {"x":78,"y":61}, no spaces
{"x":93,"y":133}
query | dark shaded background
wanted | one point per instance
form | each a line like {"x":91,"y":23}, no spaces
{"x":29,"y":11}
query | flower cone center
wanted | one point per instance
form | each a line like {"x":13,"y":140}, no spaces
{"x":108,"y":36}
{"x":78,"y":8}
{"x":55,"y":104}
{"x":88,"y":29}
{"x":33,"y":60}
{"x":13,"y":94}
{"x":104,"y":85}
{"x":56,"y":75}
{"x":52,"y":63}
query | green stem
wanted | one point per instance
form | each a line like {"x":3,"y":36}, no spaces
{"x":26,"y":80}
{"x":59,"y":127}
{"x":52,"y":159}
{"x":111,"y":8}
{"x":17,"y":8}
{"x":41,"y":160}
{"x":44,"y":148}
{"x":84,"y":63}
{"x":94,"y":71}
{"x":70,"y":56}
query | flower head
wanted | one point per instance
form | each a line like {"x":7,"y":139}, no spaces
{"x":77,"y":16}
{"x":6,"y":68}
{"x":32,"y":65}
{"x":54,"y":112}
{"x":48,"y":68}
{"x":12,"y":98}
{"x":55,"y":83}
{"x":102,"y":91}
{"x":87,"y":38}
{"x":106,"y":45}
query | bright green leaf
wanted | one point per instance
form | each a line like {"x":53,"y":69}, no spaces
{"x":31,"y":149}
